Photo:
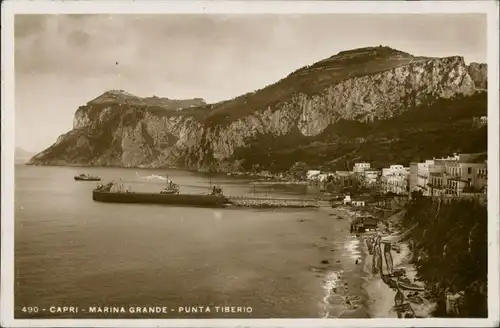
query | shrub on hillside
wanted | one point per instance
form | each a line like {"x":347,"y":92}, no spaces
{"x":452,"y":255}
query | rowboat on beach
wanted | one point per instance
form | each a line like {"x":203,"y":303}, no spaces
{"x":410,"y":286}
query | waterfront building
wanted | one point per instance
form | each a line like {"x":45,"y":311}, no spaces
{"x":420,"y":173}
{"x":311,"y":174}
{"x":455,"y":176}
{"x":413,"y":177}
{"x":467,"y":175}
{"x":395,"y":179}
{"x":358,"y":203}
{"x":361,"y":167}
{"x":369,"y":177}
{"x":344,"y":178}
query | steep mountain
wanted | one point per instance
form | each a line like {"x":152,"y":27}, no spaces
{"x":479,"y":74}
{"x":374,"y":103}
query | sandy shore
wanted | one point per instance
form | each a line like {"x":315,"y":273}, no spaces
{"x":344,"y":293}
{"x":380,"y":296}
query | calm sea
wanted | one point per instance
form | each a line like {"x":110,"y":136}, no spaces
{"x":71,"y":251}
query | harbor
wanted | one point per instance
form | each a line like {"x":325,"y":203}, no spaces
{"x":113,"y":193}
{"x":176,"y":252}
{"x":346,"y":240}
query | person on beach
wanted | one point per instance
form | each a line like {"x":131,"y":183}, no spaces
{"x":377,"y":257}
{"x":388,"y":258}
{"x":402,"y":307}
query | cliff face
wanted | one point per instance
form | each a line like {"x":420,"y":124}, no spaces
{"x":479,"y":74}
{"x":361,"y":86}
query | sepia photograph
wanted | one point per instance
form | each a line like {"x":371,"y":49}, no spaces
{"x":267,"y":160}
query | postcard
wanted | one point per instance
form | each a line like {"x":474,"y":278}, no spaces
{"x":253,"y":163}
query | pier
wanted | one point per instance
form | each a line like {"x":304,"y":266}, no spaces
{"x":273,"y":202}
{"x":104,"y":193}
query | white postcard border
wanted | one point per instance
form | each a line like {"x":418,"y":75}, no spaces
{"x":10,"y":8}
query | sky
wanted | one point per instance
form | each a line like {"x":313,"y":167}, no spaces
{"x":64,"y":61}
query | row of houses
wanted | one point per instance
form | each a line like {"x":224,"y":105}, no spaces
{"x":392,"y":179}
{"x":457,"y":175}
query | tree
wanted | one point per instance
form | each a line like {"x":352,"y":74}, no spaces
{"x":451,"y":239}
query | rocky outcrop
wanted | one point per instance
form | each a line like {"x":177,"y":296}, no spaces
{"x":364,"y":85}
{"x":479,"y":74}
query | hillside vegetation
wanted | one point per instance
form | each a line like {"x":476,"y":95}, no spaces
{"x":420,"y":133}
{"x":451,"y":244}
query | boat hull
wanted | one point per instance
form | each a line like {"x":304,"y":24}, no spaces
{"x":157,"y":198}
{"x":411,"y":287}
{"x":87,"y":179}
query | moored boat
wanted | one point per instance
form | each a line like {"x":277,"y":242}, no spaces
{"x":85,"y":177}
{"x":171,"y":188}
{"x":411,"y":286}
{"x":104,"y":193}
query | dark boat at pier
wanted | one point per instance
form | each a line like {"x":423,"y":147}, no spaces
{"x":171,"y":188}
{"x":103,"y":193}
{"x":85,"y":177}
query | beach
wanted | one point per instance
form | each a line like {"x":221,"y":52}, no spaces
{"x":380,"y":296}
{"x":344,"y":293}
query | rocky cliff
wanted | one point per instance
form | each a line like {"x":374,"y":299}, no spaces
{"x":314,"y":106}
{"x":479,"y":74}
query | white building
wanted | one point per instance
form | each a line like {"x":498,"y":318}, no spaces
{"x":394,"y":169}
{"x":312,"y":174}
{"x":358,"y":203}
{"x":360,"y":167}
{"x":369,"y":176}
{"x":395,"y":179}
{"x":447,"y":175}
{"x":423,"y":175}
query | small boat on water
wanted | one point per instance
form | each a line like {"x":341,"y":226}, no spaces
{"x":86,"y":177}
{"x":171,"y":188}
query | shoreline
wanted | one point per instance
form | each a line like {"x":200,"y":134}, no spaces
{"x":380,"y":297}
{"x":344,"y":293}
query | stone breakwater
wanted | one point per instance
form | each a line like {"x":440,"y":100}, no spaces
{"x":261,"y":202}
{"x":272,"y":183}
